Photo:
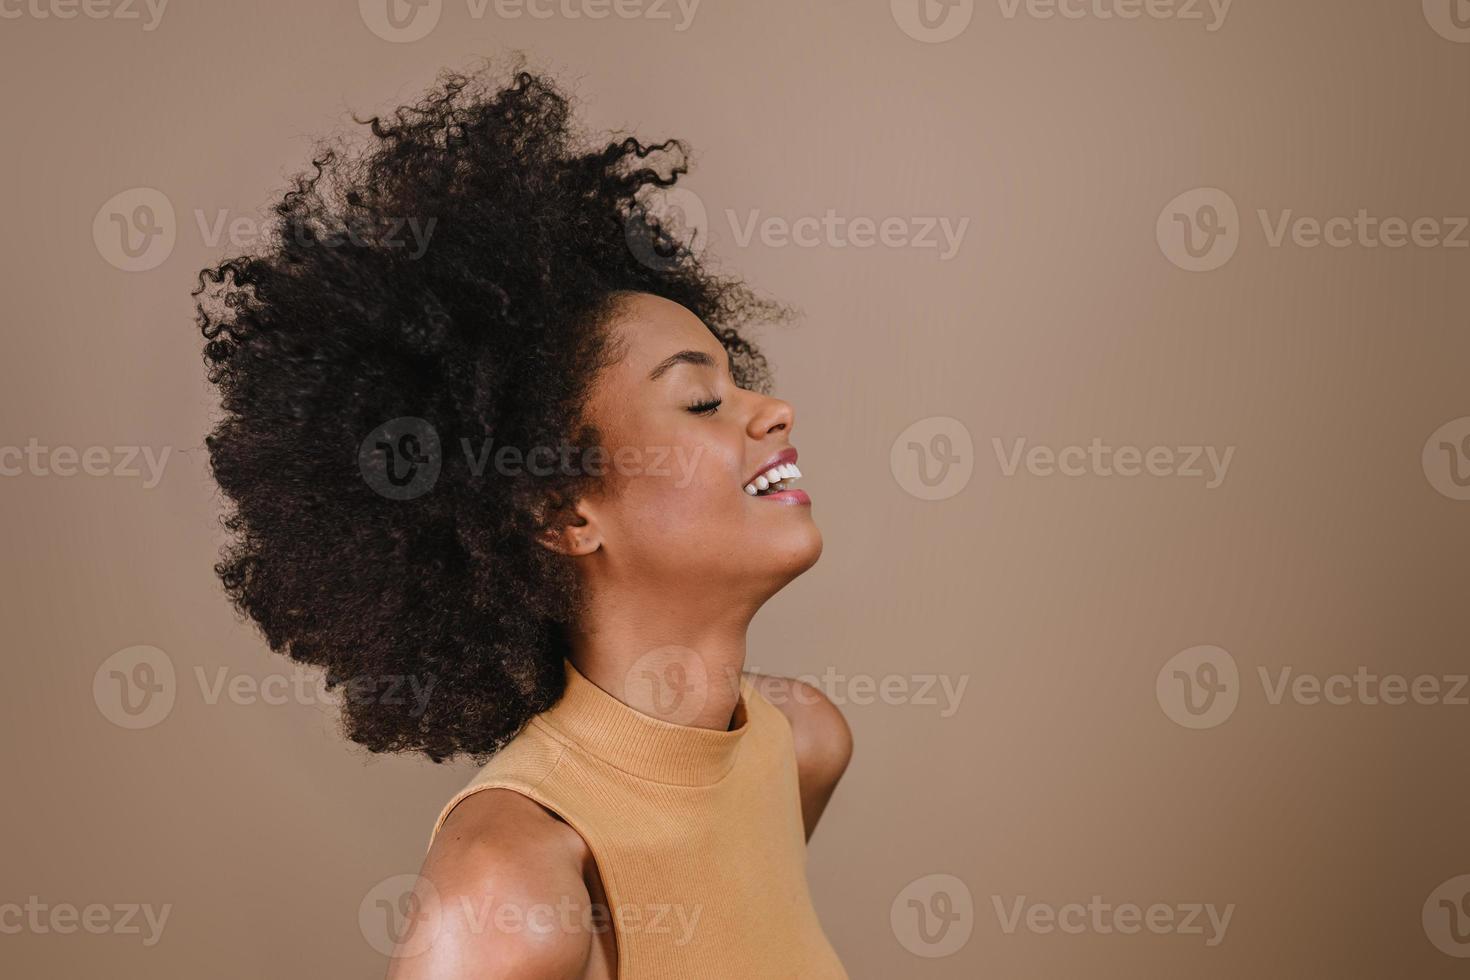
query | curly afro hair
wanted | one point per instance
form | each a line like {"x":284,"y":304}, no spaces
{"x":457,"y":272}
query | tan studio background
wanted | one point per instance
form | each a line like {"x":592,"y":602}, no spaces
{"x":1101,"y":289}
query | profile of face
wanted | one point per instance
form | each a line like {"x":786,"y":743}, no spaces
{"x":683,"y":448}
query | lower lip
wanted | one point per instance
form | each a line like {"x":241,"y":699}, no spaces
{"x":788,"y":497}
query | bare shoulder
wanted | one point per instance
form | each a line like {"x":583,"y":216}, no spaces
{"x":817,"y":725}
{"x":503,"y":891}
{"x":823,"y":740}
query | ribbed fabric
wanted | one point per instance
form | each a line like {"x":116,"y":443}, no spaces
{"x":697,"y":833}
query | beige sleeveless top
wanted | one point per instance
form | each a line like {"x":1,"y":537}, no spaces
{"x":697,"y":833}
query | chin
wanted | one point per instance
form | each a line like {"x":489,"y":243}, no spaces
{"x":800,"y":550}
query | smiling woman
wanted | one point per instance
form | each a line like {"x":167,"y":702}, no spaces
{"x":583,"y":627}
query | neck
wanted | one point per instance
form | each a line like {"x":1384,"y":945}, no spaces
{"x":666,"y":654}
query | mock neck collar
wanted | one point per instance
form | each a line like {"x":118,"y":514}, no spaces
{"x":642,"y":745}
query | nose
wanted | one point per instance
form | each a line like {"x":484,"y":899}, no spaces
{"x":772,"y":415}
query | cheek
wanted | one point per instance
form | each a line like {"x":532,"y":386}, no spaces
{"x":693,"y":490}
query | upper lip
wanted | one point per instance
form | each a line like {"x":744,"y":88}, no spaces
{"x":787,"y":455}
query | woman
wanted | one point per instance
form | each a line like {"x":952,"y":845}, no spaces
{"x":502,"y":460}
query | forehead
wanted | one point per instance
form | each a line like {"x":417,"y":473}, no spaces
{"x":649,"y":328}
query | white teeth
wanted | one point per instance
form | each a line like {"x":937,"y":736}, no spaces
{"x":774,"y":478}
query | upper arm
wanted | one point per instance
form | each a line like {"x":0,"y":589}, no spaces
{"x":821,"y":735}
{"x":494,"y":895}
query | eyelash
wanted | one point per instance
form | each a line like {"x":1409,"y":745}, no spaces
{"x":705,"y":408}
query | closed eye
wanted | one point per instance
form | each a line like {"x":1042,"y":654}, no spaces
{"x":705,"y":408}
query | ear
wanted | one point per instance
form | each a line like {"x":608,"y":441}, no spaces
{"x":573,"y":531}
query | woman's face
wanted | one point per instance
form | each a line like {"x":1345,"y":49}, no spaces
{"x":681,"y":442}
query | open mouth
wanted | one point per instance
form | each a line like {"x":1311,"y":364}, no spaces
{"x":773,"y":480}
{"x":776,"y":475}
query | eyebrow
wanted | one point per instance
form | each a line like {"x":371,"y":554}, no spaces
{"x":696,"y":357}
